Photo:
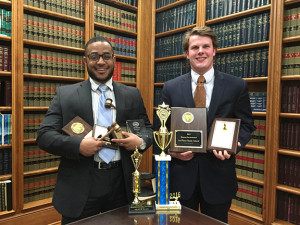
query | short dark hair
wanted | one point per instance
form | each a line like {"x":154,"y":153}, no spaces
{"x":201,"y":31}
{"x":97,"y":39}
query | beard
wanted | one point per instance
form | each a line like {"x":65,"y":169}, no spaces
{"x":101,"y":80}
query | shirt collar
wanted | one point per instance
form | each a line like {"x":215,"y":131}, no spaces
{"x":95,"y":84}
{"x":208,"y":75}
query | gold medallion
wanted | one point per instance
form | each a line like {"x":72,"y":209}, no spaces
{"x":77,"y":128}
{"x":188,"y":117}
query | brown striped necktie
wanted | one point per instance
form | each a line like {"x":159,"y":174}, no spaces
{"x":200,"y":94}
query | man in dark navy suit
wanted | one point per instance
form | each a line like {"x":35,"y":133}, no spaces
{"x":208,"y":178}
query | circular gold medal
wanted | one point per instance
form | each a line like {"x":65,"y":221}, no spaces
{"x":77,"y":128}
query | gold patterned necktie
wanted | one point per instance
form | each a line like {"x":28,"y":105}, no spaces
{"x":200,"y":94}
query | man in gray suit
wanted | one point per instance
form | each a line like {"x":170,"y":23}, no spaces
{"x":86,"y":185}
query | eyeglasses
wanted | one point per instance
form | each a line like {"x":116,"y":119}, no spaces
{"x":105,"y":56}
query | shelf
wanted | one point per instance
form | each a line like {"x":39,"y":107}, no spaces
{"x":281,"y":222}
{"x":122,"y":4}
{"x":30,"y":141}
{"x":5,"y":177}
{"x":246,"y":212}
{"x":52,"y":77}
{"x":5,"y":74}
{"x":291,"y":39}
{"x":124,"y":57}
{"x":53,"y":14}
{"x":175,"y":31}
{"x":39,"y":203}
{"x":5,"y":108}
{"x":172,"y":5}
{"x":264,"y":114}
{"x":238,"y":15}
{"x":169,"y":58}
{"x":243,"y":47}
{"x":290,"y":115}
{"x":4,"y":38}
{"x":288,"y":2}
{"x":255,"y":147}
{"x":250,"y":180}
{"x":288,"y":189}
{"x":159,"y":84}
{"x":3,"y":2}
{"x":49,"y":45}
{"x":36,"y":108}
{"x":107,"y":27}
{"x":289,"y":152}
{"x":127,"y":83}
{"x":5,"y":146}
{"x":256,"y":79}
{"x":290,"y":77}
{"x":7,"y":213}
{"x":41,"y":171}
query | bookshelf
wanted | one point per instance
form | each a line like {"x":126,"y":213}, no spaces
{"x":27,"y":209}
{"x":272,"y":83}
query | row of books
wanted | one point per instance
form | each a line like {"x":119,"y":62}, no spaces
{"x":5,"y":22}
{"x":174,"y":18}
{"x":5,"y":93}
{"x":38,"y":93}
{"x":5,"y":195}
{"x":35,"y":158}
{"x":165,"y":71}
{"x":245,"y":64}
{"x":129,"y":2}
{"x":37,"y":61}
{"x":288,"y":206}
{"x":243,"y":31}
{"x":5,"y":129}
{"x":39,"y":187}
{"x":289,"y":134}
{"x":157,"y":96}
{"x":5,"y":161}
{"x":249,"y":196}
{"x":67,"y":7}
{"x":288,"y":171}
{"x":290,"y":98}
{"x":168,"y":46}
{"x":259,"y":135}
{"x":258,"y":101}
{"x":115,"y":17}
{"x":250,"y":164}
{"x":161,"y":3}
{"x":124,"y":72}
{"x":5,"y":58}
{"x":32,"y":122}
{"x":291,"y":22}
{"x":121,"y":45}
{"x":219,"y":8}
{"x":290,"y":60}
{"x":52,"y":31}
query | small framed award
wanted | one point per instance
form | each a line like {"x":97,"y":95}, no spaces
{"x":224,"y":135}
{"x":77,"y":127}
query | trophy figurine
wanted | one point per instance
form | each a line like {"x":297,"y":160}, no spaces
{"x":137,"y":206}
{"x":163,"y":138}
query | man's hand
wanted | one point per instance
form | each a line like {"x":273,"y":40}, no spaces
{"x":90,"y":145}
{"x":223,"y":155}
{"x":185,"y":156}
{"x":130,"y":142}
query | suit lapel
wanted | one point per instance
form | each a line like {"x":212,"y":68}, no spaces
{"x":186,"y":88}
{"x":85,"y":100}
{"x":217,"y":94}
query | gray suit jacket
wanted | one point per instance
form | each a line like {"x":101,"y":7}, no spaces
{"x":73,"y":180}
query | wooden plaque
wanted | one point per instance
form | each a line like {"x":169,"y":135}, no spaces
{"x":224,"y":135}
{"x":189,"y":129}
{"x":77,"y":127}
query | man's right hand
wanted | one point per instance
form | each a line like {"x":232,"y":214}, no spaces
{"x":90,"y":145}
{"x":185,"y":156}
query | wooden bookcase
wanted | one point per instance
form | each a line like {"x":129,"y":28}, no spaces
{"x":41,"y":212}
{"x":272,"y":84}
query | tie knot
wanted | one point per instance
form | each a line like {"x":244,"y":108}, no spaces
{"x":201,"y":79}
{"x":102,"y":88}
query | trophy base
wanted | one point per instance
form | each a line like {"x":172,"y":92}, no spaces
{"x":172,"y":206}
{"x":141,"y":208}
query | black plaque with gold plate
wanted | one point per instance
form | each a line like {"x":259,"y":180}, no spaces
{"x":224,"y":135}
{"x":77,"y":127}
{"x":189,"y":129}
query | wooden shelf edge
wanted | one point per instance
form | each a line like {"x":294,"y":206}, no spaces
{"x":40,"y":171}
{"x":52,"y":77}
{"x":7,"y":213}
{"x":288,"y":2}
{"x":5,"y":108}
{"x":290,"y":77}
{"x":37,"y":204}
{"x":250,"y":180}
{"x":130,"y":58}
{"x":291,"y":39}
{"x":119,"y":30}
{"x":281,"y":222}
{"x":288,"y":189}
{"x":256,"y":79}
{"x":5,"y":177}
{"x":290,"y":115}
{"x":36,"y":108}
{"x":256,"y":147}
{"x":239,"y":14}
{"x":4,"y":37}
{"x":243,"y":47}
{"x":259,"y":113}
{"x":118,"y":3}
{"x":288,"y":152}
{"x":246,"y":213}
{"x":5,"y":73}
{"x":175,"y":31}
{"x":170,"y":58}
{"x":172,"y":5}
{"x":3,"y":2}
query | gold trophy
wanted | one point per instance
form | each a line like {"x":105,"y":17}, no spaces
{"x":137,"y":206}
{"x":163,"y":138}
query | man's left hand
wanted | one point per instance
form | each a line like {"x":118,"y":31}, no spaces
{"x":130,"y":142}
{"x":223,"y":154}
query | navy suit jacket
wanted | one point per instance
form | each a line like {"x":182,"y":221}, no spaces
{"x":73,"y":180}
{"x":230,"y":99}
